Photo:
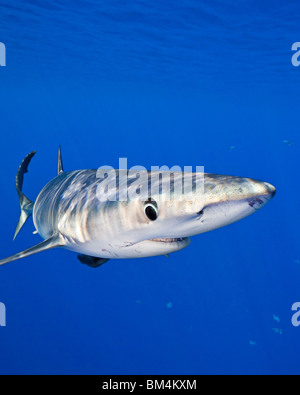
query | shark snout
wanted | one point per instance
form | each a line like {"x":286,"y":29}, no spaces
{"x":271,"y":190}
{"x":260,"y":193}
{"x":229,"y":199}
{"x":219,"y":188}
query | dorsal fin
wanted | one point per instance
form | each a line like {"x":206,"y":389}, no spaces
{"x":25,"y":203}
{"x":60,"y":167}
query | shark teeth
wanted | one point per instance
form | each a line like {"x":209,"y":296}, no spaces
{"x":168,"y":240}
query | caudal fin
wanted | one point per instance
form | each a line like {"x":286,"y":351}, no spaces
{"x":25,"y":203}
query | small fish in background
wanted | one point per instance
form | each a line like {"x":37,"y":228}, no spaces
{"x":289,"y":143}
{"x":252,"y":343}
{"x":169,"y":305}
{"x":276,"y":318}
{"x":231,"y":148}
{"x":297,"y":261}
{"x":277,"y":331}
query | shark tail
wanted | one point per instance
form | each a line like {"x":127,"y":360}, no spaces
{"x":26,"y":211}
{"x":25,"y":203}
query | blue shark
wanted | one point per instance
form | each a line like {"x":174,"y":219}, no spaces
{"x":68,"y":214}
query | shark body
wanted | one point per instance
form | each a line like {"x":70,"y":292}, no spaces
{"x":69,"y":214}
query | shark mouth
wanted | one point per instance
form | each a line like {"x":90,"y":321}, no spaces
{"x":169,"y":240}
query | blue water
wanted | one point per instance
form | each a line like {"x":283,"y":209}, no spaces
{"x":161,"y":83}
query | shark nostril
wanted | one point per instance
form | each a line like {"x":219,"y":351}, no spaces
{"x":256,"y":203}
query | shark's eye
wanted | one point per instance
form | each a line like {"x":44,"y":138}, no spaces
{"x":151,"y":210}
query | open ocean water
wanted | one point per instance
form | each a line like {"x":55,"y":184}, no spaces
{"x":161,"y":83}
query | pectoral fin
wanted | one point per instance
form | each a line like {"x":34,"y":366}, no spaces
{"x":92,"y":261}
{"x":53,"y":242}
